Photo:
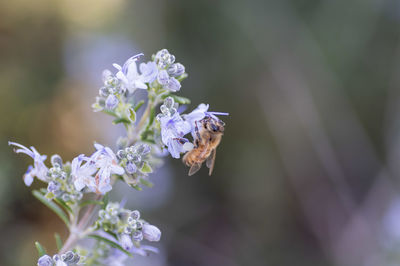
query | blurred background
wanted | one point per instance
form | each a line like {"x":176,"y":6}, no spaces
{"x":308,"y":171}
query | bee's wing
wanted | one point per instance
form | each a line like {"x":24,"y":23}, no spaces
{"x":211,"y":161}
{"x":194,"y":168}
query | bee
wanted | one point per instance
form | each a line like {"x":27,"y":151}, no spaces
{"x":206,"y":141}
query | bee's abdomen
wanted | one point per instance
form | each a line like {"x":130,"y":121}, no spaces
{"x":196,"y":155}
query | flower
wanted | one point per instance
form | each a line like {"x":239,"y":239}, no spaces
{"x":176,"y":70}
{"x":149,"y":71}
{"x":45,"y":260}
{"x":38,"y":169}
{"x":126,"y":241}
{"x":82,"y":175}
{"x":163,"y":77}
{"x":111,"y":102}
{"x":105,"y":159}
{"x":129,"y":75}
{"x":151,"y":232}
{"x":173,"y":128}
{"x":168,"y":82}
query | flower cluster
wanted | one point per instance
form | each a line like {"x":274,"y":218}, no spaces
{"x":76,"y":189}
{"x":127,"y":226}
{"x":60,"y":183}
{"x":134,"y":158}
{"x":169,"y":71}
{"x":69,"y":258}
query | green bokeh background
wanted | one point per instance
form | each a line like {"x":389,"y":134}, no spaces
{"x":308,"y":167}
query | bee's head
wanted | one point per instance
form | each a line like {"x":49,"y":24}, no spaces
{"x":213,"y":125}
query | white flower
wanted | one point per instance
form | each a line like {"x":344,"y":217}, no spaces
{"x":149,"y":71}
{"x":38,"y":169}
{"x":105,"y":159}
{"x":82,"y":175}
{"x":151,"y":232}
{"x":129,"y":75}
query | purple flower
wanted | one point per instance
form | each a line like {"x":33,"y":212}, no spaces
{"x":173,"y":128}
{"x":149,"y":71}
{"x":176,"y":70}
{"x":107,"y":162}
{"x":168,"y":82}
{"x":129,"y":75}
{"x":163,"y":77}
{"x":45,"y":260}
{"x":151,"y":232}
{"x":131,"y":168}
{"x":173,"y":85}
{"x":111,"y":102}
{"x":38,"y":169}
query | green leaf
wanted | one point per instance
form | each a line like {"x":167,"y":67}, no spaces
{"x":40,"y":249}
{"x":121,"y":120}
{"x":178,"y":99}
{"x":49,"y":195}
{"x":182,"y":77}
{"x":111,"y":243}
{"x":112,"y":234}
{"x":88,"y":202}
{"x":151,"y":118}
{"x":52,"y":206}
{"x":58,"y":241}
{"x":146,"y":168}
{"x":64,"y":205}
{"x":145,"y":182}
{"x":132,"y":115}
{"x":106,"y":198}
{"x":112,"y":113}
{"x":138,"y":105}
{"x":136,"y":187}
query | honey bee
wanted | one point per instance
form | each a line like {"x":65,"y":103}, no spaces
{"x":206,"y":141}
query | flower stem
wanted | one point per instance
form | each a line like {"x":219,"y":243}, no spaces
{"x":76,"y":229}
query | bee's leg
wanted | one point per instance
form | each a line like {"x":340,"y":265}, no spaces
{"x":196,"y":130}
{"x":181,"y":140}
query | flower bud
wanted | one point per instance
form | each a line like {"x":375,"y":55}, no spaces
{"x":45,"y":260}
{"x":163,"y":77}
{"x":112,"y":102}
{"x":67,"y":257}
{"x":173,"y":85}
{"x":135,"y":214}
{"x":169,"y":102}
{"x":53,"y":186}
{"x":136,"y":158}
{"x":137,"y":236}
{"x":126,"y":241}
{"x":151,"y":232}
{"x":56,"y":160}
{"x":131,"y":168}
{"x":121,"y":154}
{"x":103,"y":92}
